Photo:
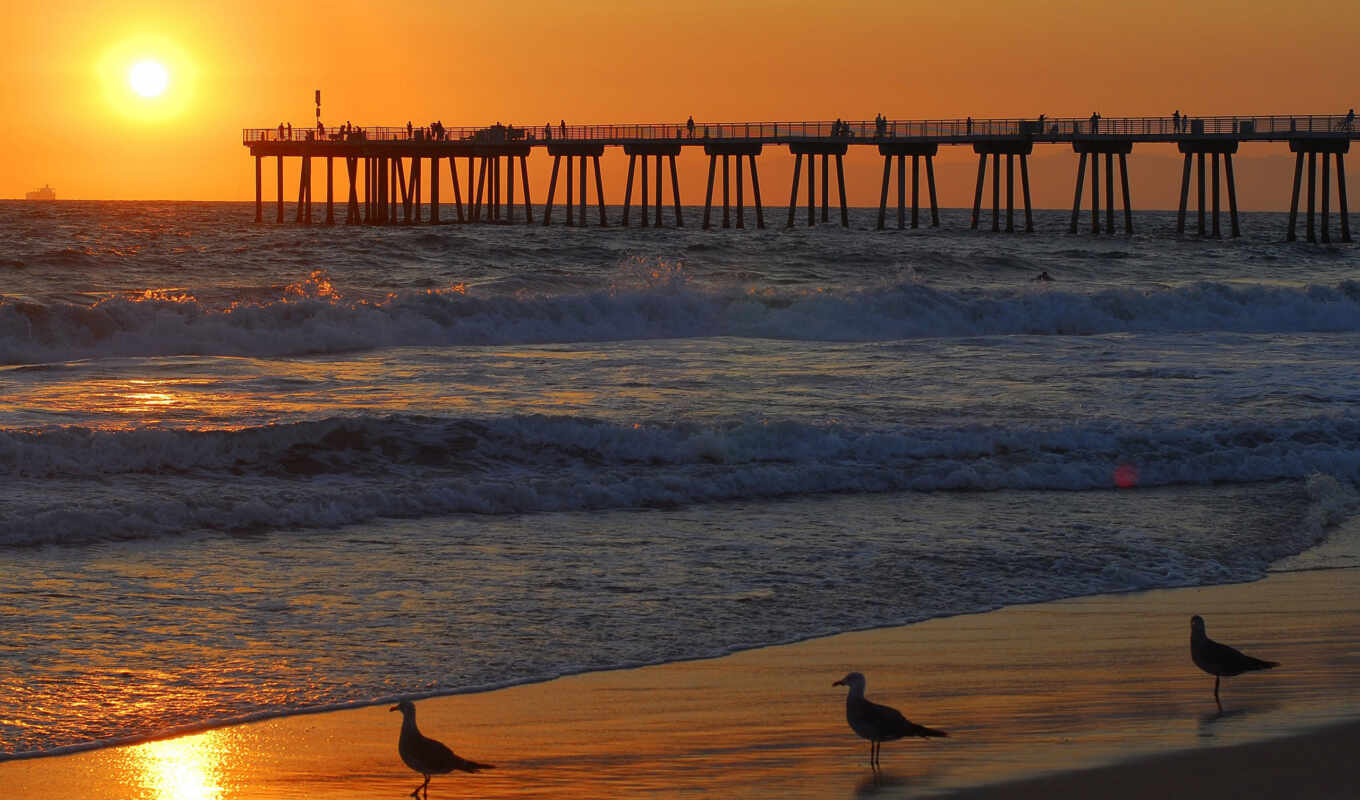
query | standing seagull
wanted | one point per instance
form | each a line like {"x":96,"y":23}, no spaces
{"x":1220,"y":660}
{"x":425,"y":755}
{"x":877,"y":723}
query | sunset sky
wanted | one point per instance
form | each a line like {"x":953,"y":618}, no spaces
{"x":74,"y":121}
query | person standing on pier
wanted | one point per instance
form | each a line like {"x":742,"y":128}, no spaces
{"x":1095,"y":122}
{"x":290,"y":131}
{"x":563,"y":125}
{"x":689,"y":126}
{"x":280,"y":131}
{"x":1176,"y":121}
{"x":968,"y":125}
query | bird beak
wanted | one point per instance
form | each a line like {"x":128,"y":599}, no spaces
{"x":394,"y":708}
{"x":838,"y":683}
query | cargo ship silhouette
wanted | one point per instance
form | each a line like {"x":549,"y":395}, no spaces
{"x":45,"y":193}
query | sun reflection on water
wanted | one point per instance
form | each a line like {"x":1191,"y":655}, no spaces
{"x":186,"y":768}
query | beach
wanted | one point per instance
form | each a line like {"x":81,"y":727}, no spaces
{"x":1066,"y":698}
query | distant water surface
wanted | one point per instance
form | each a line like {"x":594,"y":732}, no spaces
{"x":254,"y":469}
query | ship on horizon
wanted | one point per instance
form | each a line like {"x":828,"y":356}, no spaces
{"x":45,"y":193}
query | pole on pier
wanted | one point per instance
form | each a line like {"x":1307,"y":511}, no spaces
{"x":582,"y":191}
{"x":1095,"y":193}
{"x":1232,"y":195}
{"x":1294,"y":201}
{"x":793,"y":193}
{"x":840,"y":186}
{"x":470,"y":171}
{"x":1076,"y":198}
{"x":1199,"y":167}
{"x":826,"y":187}
{"x":675,"y":193}
{"x":755,"y":193}
{"x":1326,"y":198}
{"x":1128,"y":207}
{"x":708,"y":195}
{"x":330,"y":191}
{"x":883,"y":198}
{"x":977,"y":193}
{"x":570,"y":199}
{"x":510,"y":189}
{"x":1341,"y":197}
{"x":901,"y":192}
{"x":352,"y":207}
{"x":368,"y":190}
{"x":642,"y":194}
{"x":930,"y":180}
{"x":280,"y":191}
{"x":599,"y":192}
{"x":726,"y":186}
{"x":741,"y":196}
{"x":1312,"y":191}
{"x":812,"y":185}
{"x":658,"y":192}
{"x":1185,"y":195}
{"x":434,"y":190}
{"x":457,"y":196}
{"x":1024,"y":185}
{"x":628,"y":189}
{"x":1218,"y":234}
{"x":415,"y":188}
{"x":524,"y":184}
{"x":552,"y":189}
{"x":996,"y":192}
{"x":1010,"y":195}
{"x":1109,"y":192}
{"x":302,"y":191}
{"x":916,"y":190}
{"x":259,"y":192}
{"x":481,"y":187}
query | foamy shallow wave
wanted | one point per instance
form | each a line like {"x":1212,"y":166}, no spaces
{"x":74,"y":485}
{"x":311,"y":321}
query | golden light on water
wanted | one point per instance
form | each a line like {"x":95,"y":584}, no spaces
{"x":187,"y":768}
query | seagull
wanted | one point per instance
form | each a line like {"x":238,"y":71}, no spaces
{"x":425,"y":755}
{"x":877,"y":723}
{"x":1220,"y":660}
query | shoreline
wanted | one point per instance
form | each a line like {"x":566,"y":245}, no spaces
{"x":1040,"y":692}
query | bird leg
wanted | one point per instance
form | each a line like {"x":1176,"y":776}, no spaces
{"x":1216,"y":700}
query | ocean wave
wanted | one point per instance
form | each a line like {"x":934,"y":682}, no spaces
{"x":315,"y":317}
{"x":75,"y":485}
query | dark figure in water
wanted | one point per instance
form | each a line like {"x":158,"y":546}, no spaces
{"x":877,"y":723}
{"x":424,"y":755}
{"x":1043,"y":276}
{"x":1220,"y":660}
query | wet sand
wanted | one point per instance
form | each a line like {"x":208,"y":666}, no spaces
{"x":1047,"y":695}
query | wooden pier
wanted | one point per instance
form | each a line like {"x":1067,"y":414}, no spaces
{"x":386,"y":173}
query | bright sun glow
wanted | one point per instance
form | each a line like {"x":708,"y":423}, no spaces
{"x":148,"y":78}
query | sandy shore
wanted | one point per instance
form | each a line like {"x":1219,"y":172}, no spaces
{"x":1045,"y":695}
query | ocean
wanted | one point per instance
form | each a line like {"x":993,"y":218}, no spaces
{"x":253,"y":470}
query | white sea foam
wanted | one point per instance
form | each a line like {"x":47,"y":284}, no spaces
{"x":308,"y":322}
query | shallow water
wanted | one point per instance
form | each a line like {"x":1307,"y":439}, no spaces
{"x":255,"y":469}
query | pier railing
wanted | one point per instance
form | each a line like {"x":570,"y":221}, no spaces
{"x":966,"y":129}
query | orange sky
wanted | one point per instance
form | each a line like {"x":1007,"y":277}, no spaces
{"x":73,"y":122}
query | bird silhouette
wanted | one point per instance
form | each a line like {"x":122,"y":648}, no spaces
{"x":875,"y":722}
{"x":425,"y":755}
{"x":1220,"y":660}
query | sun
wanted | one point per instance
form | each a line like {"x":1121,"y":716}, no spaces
{"x":148,"y":78}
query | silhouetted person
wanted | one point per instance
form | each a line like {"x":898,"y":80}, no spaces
{"x":969,"y":126}
{"x":280,"y":131}
{"x":1095,"y":122}
{"x":563,"y":126}
{"x":320,"y":130}
{"x":1176,"y":121}
{"x":290,"y":131}
{"x":689,"y":126}
{"x":1041,"y":123}
{"x":1350,"y":119}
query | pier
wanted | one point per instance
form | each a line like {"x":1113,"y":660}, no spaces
{"x":385,"y":168}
